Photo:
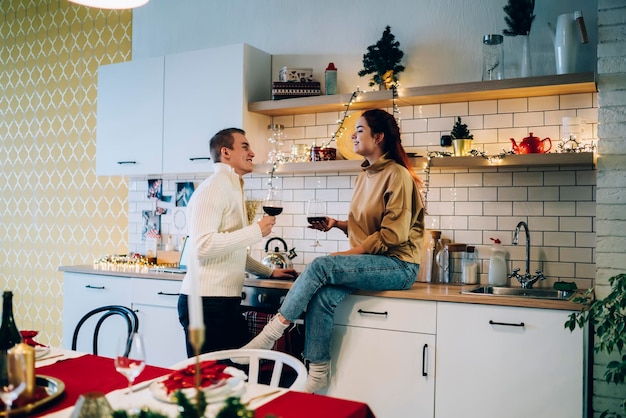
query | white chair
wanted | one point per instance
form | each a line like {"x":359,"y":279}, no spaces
{"x":254,"y":357}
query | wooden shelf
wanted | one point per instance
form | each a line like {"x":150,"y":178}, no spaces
{"x":448,"y":93}
{"x":354,"y":166}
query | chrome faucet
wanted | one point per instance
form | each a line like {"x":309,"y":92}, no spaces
{"x":526,"y":280}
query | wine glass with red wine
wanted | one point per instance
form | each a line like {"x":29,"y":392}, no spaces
{"x":316,"y":213}
{"x":273,"y":203}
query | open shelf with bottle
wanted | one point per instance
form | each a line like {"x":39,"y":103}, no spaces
{"x":447,"y":93}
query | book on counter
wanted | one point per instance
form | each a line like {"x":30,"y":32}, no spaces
{"x":291,"y":89}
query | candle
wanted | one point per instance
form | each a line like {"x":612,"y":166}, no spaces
{"x":196,"y":318}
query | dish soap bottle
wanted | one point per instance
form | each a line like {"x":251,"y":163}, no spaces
{"x":497,"y":264}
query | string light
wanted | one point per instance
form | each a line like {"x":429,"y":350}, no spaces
{"x":339,"y":132}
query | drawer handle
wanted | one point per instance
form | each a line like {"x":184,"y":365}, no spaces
{"x":168,"y":294}
{"x":506,"y":324}
{"x":95,"y":287}
{"x":199,"y":158}
{"x":424,"y":356}
{"x":362,"y":312}
{"x":126,"y":162}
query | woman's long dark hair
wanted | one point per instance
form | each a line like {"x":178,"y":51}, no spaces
{"x":381,"y":121}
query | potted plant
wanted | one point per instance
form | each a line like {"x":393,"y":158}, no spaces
{"x":461,"y":138}
{"x":607,"y":322}
{"x":519,"y":19}
{"x":383,"y":60}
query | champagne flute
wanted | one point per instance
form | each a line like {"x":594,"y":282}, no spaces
{"x":273,"y":203}
{"x":12,"y":378}
{"x":316,"y":213}
{"x":130,"y":357}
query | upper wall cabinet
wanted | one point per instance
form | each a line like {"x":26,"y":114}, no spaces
{"x":130,"y":118}
{"x":208,"y":90}
{"x":156,"y":116}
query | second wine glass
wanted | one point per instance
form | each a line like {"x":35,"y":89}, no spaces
{"x":130,"y":357}
{"x":316,"y":213}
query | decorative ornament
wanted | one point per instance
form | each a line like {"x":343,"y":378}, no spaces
{"x":383,"y":60}
{"x":519,"y":17}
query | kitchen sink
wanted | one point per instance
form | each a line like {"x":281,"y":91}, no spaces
{"x":521,"y":293}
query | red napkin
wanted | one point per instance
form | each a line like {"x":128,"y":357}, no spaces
{"x":307,"y":405}
{"x":90,"y":373}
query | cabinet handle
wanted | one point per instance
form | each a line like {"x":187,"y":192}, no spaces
{"x":199,"y":158}
{"x":506,"y":324}
{"x":95,"y":287}
{"x":168,"y":294}
{"x":126,"y":162}
{"x":362,"y":312}
{"x":424,"y":357}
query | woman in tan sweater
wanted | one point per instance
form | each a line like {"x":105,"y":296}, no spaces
{"x":385,"y":228}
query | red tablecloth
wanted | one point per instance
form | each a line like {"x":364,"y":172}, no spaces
{"x":306,"y":405}
{"x":90,"y":373}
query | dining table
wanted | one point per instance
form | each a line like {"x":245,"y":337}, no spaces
{"x":83,"y":373}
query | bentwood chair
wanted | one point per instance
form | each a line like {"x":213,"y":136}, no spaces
{"x":256,"y":359}
{"x":129,"y":316}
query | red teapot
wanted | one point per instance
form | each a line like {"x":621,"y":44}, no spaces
{"x":532,"y":145}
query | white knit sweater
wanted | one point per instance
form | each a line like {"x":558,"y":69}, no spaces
{"x":219,"y":235}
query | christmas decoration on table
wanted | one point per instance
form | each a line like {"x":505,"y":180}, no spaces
{"x":383,"y":60}
{"x":460,"y":130}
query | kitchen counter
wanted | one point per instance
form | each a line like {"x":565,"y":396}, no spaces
{"x":419,"y":291}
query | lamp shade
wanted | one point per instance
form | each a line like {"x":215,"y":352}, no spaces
{"x":111,"y":4}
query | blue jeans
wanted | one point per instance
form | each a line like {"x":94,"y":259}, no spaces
{"x":327,"y":281}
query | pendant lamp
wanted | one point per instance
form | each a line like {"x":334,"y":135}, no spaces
{"x":111,"y":4}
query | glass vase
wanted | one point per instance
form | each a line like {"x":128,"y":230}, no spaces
{"x":526,"y":65}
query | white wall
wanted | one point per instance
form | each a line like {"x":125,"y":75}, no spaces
{"x":441,"y":39}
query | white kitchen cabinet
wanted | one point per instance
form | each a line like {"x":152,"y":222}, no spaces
{"x":496,"y":361}
{"x":156,"y":116}
{"x":383,"y":353}
{"x":155,"y":302}
{"x":81,"y":294}
{"x":208,"y":90}
{"x":129,"y":131}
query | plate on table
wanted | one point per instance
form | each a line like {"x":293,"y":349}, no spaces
{"x":217,"y":386}
{"x":47,"y":389}
{"x":41,"y":351}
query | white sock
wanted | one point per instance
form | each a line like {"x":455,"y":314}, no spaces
{"x":318,"y":377}
{"x":268,"y":335}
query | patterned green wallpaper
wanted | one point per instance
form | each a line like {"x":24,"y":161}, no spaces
{"x":53,"y":209}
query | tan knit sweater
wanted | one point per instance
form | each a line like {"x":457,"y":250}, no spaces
{"x":219,"y":236}
{"x":386,"y":212}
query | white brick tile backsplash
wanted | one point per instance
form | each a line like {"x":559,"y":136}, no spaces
{"x":304,"y":120}
{"x":528,"y":209}
{"x":543,"y":194}
{"x":468,"y":179}
{"x":512,"y":194}
{"x":414,"y":125}
{"x":544,"y":223}
{"x":498,"y":179}
{"x":328,"y":118}
{"x":586,"y":239}
{"x":512,"y":105}
{"x":528,"y":119}
{"x":468,"y":208}
{"x":576,"y":193}
{"x":427,"y":111}
{"x":482,"y":222}
{"x":426,"y":139}
{"x":454,"y":109}
{"x":454,"y":194}
{"x":543,"y":103}
{"x":443,"y":125}
{"x":559,"y":208}
{"x":498,"y":208}
{"x":454,"y":222}
{"x":582,"y":255}
{"x":586,"y":209}
{"x":528,"y":179}
{"x":483,"y":194}
{"x":484,"y":107}
{"x":573,"y":101}
{"x":319,"y":133}
{"x":502,"y":120}
{"x":577,"y":224}
{"x":559,"y":239}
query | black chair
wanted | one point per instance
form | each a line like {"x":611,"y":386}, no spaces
{"x":132,"y":322}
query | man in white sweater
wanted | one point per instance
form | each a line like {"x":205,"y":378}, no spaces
{"x":219,"y":235}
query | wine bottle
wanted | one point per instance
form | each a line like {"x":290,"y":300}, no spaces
{"x":9,"y":335}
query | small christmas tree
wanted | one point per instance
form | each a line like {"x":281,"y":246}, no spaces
{"x":460,"y":131}
{"x":519,"y":17}
{"x":383,"y":60}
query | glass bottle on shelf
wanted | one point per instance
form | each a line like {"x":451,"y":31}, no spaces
{"x":493,"y":57}
{"x":9,"y":334}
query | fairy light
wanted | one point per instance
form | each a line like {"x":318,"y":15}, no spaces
{"x":340,"y":129}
